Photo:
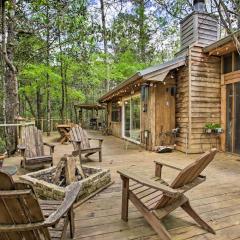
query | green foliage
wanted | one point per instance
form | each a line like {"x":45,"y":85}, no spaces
{"x":2,"y":146}
{"x":60,"y":44}
{"x":212,"y":126}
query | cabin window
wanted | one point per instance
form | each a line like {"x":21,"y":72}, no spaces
{"x":116,"y":112}
{"x":227,"y":63}
{"x":237,"y":61}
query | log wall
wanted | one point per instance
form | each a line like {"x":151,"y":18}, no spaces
{"x":198,"y":101}
{"x":205,"y":98}
{"x":182,"y":108}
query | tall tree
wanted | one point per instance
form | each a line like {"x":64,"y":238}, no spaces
{"x":229,"y":13}
{"x":11,"y":84}
{"x":104,"y":36}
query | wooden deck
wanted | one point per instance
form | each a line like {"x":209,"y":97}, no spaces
{"x":217,"y":200}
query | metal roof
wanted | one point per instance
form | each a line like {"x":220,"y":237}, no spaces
{"x":158,"y":69}
{"x":162,"y":66}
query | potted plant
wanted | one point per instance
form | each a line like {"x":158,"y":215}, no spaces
{"x":217,"y":128}
{"x":2,"y":151}
{"x":209,"y":127}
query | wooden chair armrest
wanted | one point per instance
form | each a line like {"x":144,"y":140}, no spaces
{"x":159,"y":165}
{"x":70,"y":197}
{"x":21,"y":227}
{"x":76,"y":141}
{"x":99,"y":139}
{"x":149,"y":183}
{"x":49,"y":144}
{"x":167,"y":165}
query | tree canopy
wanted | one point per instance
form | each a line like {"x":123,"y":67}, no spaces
{"x":67,"y":51}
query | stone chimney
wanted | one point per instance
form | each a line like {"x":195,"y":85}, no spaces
{"x":199,"y":27}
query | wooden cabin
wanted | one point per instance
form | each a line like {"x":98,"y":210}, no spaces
{"x":183,"y":93}
{"x":225,"y":50}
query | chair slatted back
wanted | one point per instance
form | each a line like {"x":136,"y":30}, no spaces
{"x":19,"y":205}
{"x":33,"y":141}
{"x":79,"y":134}
{"x":188,"y":175}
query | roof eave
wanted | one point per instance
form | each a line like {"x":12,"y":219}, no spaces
{"x":144,"y":74}
{"x":133,"y":78}
{"x":221,"y":42}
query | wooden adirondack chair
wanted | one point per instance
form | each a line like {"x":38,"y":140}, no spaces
{"x":81,"y":143}
{"x":155,"y":199}
{"x":23,"y":217}
{"x":32,"y":149}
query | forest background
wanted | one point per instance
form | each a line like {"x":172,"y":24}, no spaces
{"x":55,"y":53}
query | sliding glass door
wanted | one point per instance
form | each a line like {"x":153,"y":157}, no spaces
{"x":237,"y":118}
{"x":233,"y":118}
{"x":131,"y":123}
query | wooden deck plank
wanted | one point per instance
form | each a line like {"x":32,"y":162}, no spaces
{"x":217,"y":200}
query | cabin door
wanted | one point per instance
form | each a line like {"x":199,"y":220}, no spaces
{"x":233,"y":118}
{"x":131,"y":119}
{"x":165,"y":114}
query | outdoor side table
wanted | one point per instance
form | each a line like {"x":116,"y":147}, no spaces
{"x":11,"y":170}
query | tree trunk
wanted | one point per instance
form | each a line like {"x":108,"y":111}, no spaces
{"x":66,"y":93}
{"x":11,"y":85}
{"x":104,"y":36}
{"x":39,"y":109}
{"x":142,"y":36}
{"x":62,"y":110}
{"x":30,"y":105}
{"x":48,"y":80}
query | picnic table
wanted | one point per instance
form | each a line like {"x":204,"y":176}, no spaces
{"x":64,"y":130}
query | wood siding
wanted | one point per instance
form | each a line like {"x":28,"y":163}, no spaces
{"x":182,"y":108}
{"x":205,"y":98}
{"x":197,"y":102}
{"x":199,"y":28}
{"x":148,"y":120}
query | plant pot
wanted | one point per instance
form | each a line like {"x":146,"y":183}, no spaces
{"x":218,"y":130}
{"x":208,"y":130}
{"x":1,"y":160}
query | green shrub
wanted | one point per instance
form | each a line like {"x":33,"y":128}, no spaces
{"x":217,"y":125}
{"x":2,"y":146}
{"x":210,"y":125}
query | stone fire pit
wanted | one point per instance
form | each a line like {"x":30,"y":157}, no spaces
{"x":96,"y":179}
